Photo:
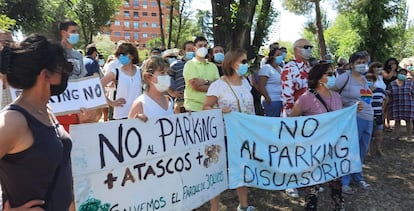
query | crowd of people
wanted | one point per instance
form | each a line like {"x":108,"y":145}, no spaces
{"x":35,"y":145}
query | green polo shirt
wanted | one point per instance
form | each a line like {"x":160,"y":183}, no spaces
{"x":194,"y":100}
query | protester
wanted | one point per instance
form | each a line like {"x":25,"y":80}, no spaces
{"x":376,"y":69}
{"x":402,"y":104}
{"x":127,"y":79}
{"x":353,"y":87}
{"x":317,"y":100}
{"x":340,"y":66}
{"x":6,"y":40}
{"x":171,"y":55}
{"x":232,"y":93}
{"x":198,"y":75}
{"x":295,"y":82}
{"x":378,"y":97}
{"x":153,"y":102}
{"x":390,"y":74}
{"x":274,"y":45}
{"x":35,"y":167}
{"x":91,"y":60}
{"x":177,"y":80}
{"x":218,"y":57}
{"x":270,"y":85}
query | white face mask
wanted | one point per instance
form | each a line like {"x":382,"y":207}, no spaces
{"x":163,"y":83}
{"x":360,"y":68}
{"x":202,"y":52}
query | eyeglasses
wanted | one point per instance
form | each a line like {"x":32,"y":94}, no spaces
{"x":329,"y":73}
{"x":305,"y":46}
{"x":244,"y":61}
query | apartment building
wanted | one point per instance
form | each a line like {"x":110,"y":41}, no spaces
{"x":137,"y":21}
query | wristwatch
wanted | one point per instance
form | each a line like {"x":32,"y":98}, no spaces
{"x":207,"y":82}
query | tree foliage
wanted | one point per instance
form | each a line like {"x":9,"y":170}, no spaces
{"x":6,"y":23}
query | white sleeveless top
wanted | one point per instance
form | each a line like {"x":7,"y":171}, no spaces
{"x":153,"y":109}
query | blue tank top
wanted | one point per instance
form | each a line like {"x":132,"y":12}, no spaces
{"x":43,"y":171}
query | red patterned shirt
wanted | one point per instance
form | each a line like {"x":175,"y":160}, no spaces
{"x":294,"y":83}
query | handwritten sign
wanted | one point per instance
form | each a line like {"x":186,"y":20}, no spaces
{"x":175,"y":162}
{"x":279,"y":153}
{"x":85,"y":92}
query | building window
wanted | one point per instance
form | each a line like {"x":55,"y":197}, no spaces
{"x":126,"y":24}
{"x":153,"y":4}
{"x":136,"y":25}
{"x":117,"y":23}
{"x":117,"y":13}
{"x":144,"y":13}
{"x":145,"y":35}
{"x":136,"y":15}
{"x":117,"y":34}
{"x":136,"y":35}
{"x":127,"y":36}
{"x":126,"y":13}
{"x":136,"y":4}
{"x":153,"y":14}
{"x":144,"y":4}
{"x":126,"y":3}
{"x":162,"y":5}
{"x":154,"y":35}
{"x":144,"y":45}
{"x":145,"y":24}
{"x":154,"y":25}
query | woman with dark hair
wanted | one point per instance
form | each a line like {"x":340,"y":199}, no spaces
{"x":390,"y":70}
{"x":270,"y":85}
{"x":232,"y":93}
{"x":127,"y":79}
{"x":317,"y":100}
{"x":354,"y":88}
{"x":35,"y":167}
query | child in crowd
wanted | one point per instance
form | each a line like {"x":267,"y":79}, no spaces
{"x":402,"y":104}
{"x":153,"y":102}
{"x":379,"y":96}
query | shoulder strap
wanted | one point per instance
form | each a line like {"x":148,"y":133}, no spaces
{"x":116,"y":81}
{"x":343,"y":87}
{"x":238,"y":101}
{"x":320,"y":99}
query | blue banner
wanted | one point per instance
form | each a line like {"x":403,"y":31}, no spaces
{"x":278,"y":153}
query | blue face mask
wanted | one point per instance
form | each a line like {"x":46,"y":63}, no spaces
{"x":284,"y":55}
{"x":243,"y":69}
{"x":73,"y":38}
{"x":370,"y":83}
{"x":189,"y":55}
{"x":124,"y":59}
{"x":171,"y":60}
{"x":279,"y":59}
{"x":218,"y":57}
{"x":331,"y":82}
{"x":401,"y":77}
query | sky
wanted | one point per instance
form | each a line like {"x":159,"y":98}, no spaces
{"x":290,"y":25}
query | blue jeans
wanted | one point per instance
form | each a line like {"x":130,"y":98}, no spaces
{"x":364,"y":135}
{"x":272,"y":109}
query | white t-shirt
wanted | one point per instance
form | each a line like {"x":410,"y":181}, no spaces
{"x":153,"y":109}
{"x":274,"y":83}
{"x":226,"y":98}
{"x":130,"y":88}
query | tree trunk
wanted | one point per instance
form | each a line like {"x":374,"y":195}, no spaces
{"x":319,"y":28}
{"x":180,"y":23}
{"x":260,"y":29}
{"x":244,"y":19}
{"x":161,"y":23}
{"x":172,"y":2}
{"x":221,"y":22}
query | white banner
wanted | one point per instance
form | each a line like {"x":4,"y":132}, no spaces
{"x":279,"y":153}
{"x":169,"y":163}
{"x":85,"y":92}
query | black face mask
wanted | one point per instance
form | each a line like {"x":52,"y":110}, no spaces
{"x":59,"y":89}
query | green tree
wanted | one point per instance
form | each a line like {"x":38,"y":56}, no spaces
{"x":161,"y":23}
{"x":300,"y":7}
{"x":6,"y":23}
{"x":204,"y":21}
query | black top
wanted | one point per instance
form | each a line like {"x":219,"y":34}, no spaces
{"x":45,"y":165}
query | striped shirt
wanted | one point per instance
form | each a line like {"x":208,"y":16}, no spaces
{"x":378,"y":97}
{"x":176,"y":73}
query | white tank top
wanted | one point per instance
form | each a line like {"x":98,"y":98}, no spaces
{"x":153,"y":109}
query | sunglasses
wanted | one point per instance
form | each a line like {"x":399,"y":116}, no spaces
{"x":305,"y":46}
{"x":244,"y":61}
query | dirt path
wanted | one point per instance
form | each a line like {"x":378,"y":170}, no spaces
{"x":391,"y":177}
